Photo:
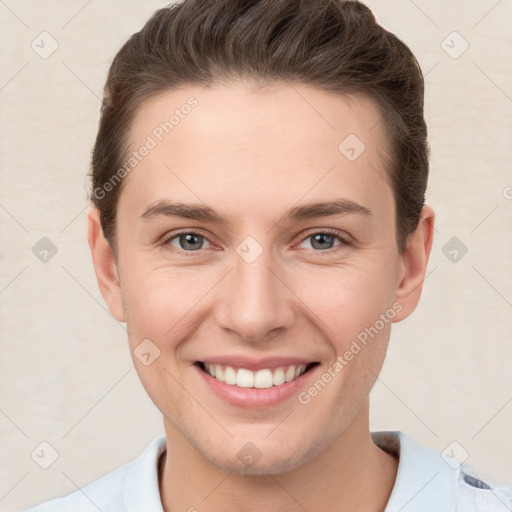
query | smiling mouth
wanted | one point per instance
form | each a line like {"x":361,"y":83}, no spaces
{"x":261,"y":379}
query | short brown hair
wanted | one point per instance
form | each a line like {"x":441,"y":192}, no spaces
{"x":335,"y":45}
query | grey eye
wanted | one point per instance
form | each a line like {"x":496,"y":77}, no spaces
{"x":188,"y":241}
{"x":322,"y":241}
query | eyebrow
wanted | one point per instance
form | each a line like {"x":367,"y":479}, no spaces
{"x":201,"y":212}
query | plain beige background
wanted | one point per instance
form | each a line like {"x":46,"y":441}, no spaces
{"x":66,"y":376}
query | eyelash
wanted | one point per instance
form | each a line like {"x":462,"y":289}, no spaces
{"x":343,"y":241}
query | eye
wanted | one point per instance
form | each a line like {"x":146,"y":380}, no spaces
{"x":191,"y":241}
{"x":324,"y":240}
{"x":188,"y":241}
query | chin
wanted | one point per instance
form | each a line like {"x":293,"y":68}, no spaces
{"x":262,"y":457}
{"x":276,"y":466}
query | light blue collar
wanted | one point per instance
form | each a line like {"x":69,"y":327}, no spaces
{"x":424,"y":481}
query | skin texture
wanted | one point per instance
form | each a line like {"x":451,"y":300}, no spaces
{"x":250,"y":155}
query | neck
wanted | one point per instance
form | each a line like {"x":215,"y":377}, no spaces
{"x":351,"y":475}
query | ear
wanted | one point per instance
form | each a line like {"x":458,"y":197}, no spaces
{"x":105,"y":266}
{"x":414,"y":263}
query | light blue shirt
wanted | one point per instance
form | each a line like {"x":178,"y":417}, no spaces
{"x":426,"y":481}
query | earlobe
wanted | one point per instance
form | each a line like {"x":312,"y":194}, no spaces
{"x":414,"y":262}
{"x":105,"y":266}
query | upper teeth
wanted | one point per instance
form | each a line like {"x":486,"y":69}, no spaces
{"x":265,"y":378}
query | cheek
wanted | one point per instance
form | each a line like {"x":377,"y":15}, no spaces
{"x":160,"y":303}
{"x":161,"y":310}
{"x":346,"y":300}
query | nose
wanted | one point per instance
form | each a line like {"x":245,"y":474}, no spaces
{"x":255,"y":304}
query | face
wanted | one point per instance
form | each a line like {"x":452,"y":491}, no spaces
{"x":259,"y":234}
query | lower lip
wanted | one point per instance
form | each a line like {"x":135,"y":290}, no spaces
{"x":255,"y":397}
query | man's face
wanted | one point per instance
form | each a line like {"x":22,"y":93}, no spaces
{"x":261,"y":287}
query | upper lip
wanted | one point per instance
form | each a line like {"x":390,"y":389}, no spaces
{"x":240,"y":361}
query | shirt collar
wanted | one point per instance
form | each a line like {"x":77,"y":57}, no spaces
{"x":141,"y":490}
{"x":424,"y":481}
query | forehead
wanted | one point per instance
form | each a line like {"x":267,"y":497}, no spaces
{"x":275,"y":142}
{"x":248,"y":114}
